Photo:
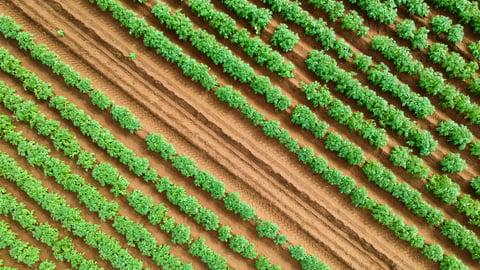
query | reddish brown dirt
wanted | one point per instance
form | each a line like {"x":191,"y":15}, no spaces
{"x":281,"y":189}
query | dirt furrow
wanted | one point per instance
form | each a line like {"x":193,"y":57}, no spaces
{"x":242,"y":193}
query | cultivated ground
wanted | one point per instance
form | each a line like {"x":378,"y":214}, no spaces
{"x":308,"y":210}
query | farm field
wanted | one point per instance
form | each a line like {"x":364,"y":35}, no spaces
{"x":239,"y":134}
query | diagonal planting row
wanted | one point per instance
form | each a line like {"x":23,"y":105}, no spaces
{"x":106,"y":174}
{"x":219,"y":54}
{"x":421,"y":105}
{"x":388,"y":116}
{"x":430,"y":80}
{"x":175,"y":194}
{"x":238,"y":104}
{"x":335,"y":107}
{"x":252,"y":46}
{"x":62,"y":247}
{"x":458,"y":135}
{"x":19,"y":250}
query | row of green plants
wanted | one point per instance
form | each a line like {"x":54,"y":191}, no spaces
{"x":326,"y":68}
{"x":62,"y":139}
{"x":62,"y":247}
{"x":316,"y":27}
{"x":72,"y":78}
{"x":402,"y":156}
{"x":16,"y":104}
{"x":382,"y":11}
{"x":467,"y":11}
{"x":334,"y":8}
{"x":448,"y":191}
{"x":350,"y":20}
{"x":417,"y":37}
{"x":399,"y":55}
{"x":458,"y":135}
{"x":136,"y":165}
{"x":386,"y":11}
{"x":412,"y":199}
{"x":187,"y":203}
{"x":219,"y":54}
{"x":443,"y":25}
{"x":253,"y":47}
{"x":421,"y":106}
{"x":442,"y":187}
{"x":320,"y":97}
{"x":381,"y":76}
{"x":386,"y":180}
{"x":106,"y":174}
{"x":474,"y":48}
{"x":305,"y":118}
{"x":453,"y":63}
{"x":60,"y":210}
{"x":359,"y":195}
{"x":135,"y":233}
{"x":415,"y":7}
{"x":430,"y":80}
{"x":19,"y":250}
{"x":175,"y":194}
{"x":258,"y":17}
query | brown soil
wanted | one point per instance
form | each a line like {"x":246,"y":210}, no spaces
{"x":281,"y":189}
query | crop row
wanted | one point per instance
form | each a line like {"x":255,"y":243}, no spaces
{"x":347,"y":185}
{"x":180,"y":162}
{"x":327,"y":69}
{"x":135,"y":233}
{"x":18,"y":249}
{"x":116,"y":7}
{"x":200,"y":217}
{"x":234,"y":66}
{"x":62,"y":247}
{"x":106,"y":174}
{"x":320,"y":97}
{"x":453,"y":63}
{"x":258,"y":17}
{"x":386,"y":180}
{"x":430,"y":80}
{"x":109,"y":248}
{"x":72,"y":78}
{"x":252,"y":46}
{"x":467,"y":11}
{"x":175,"y":194}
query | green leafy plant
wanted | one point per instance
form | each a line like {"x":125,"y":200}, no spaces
{"x":458,"y":135}
{"x":284,"y":38}
{"x":443,"y":187}
{"x":453,"y":163}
